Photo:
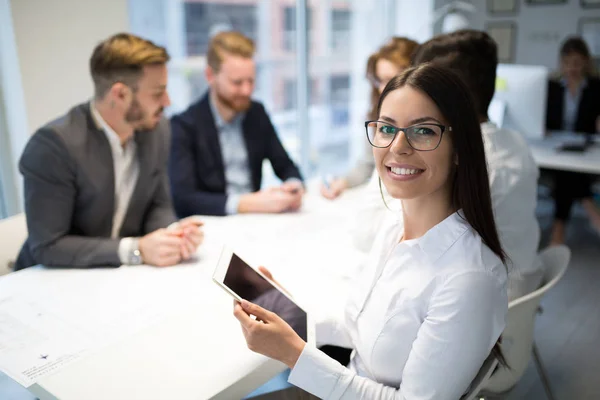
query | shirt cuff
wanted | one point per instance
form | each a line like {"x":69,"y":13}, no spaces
{"x":295,"y":180}
{"x":329,"y":331}
{"x":125,"y":245}
{"x":319,"y":374}
{"x":231,"y":206}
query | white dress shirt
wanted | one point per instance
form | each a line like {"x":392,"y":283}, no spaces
{"x":513,"y":176}
{"x":235,"y":158}
{"x":422,"y":318}
{"x":571,"y":105}
{"x":371,"y":212}
{"x":127,"y":170}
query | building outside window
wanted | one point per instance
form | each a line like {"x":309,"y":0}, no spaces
{"x":335,"y":69}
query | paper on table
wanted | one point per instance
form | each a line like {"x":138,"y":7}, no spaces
{"x":28,"y":346}
{"x":63,"y":315}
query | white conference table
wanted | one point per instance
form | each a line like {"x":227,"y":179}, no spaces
{"x":195,"y":349}
{"x":546,"y":156}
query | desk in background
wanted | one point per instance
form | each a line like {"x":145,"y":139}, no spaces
{"x":546,"y":156}
{"x":196,"y":350}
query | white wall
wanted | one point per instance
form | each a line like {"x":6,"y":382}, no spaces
{"x":414,"y":19}
{"x":45,"y":47}
{"x":540,"y":28}
{"x":55,"y":39}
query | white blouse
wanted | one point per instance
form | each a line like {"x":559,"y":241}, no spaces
{"x":423,"y":316}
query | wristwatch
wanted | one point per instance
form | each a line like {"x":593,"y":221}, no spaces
{"x":135,"y":255}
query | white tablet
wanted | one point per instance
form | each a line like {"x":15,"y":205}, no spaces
{"x":242,"y":281}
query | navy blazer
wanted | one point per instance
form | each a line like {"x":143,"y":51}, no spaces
{"x":587,"y":111}
{"x":196,"y":166}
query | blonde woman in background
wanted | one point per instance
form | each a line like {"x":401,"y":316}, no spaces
{"x":390,"y":60}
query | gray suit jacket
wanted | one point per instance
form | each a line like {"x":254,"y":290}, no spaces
{"x":68,"y":173}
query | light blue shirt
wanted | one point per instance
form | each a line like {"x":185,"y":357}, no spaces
{"x":235,"y":158}
{"x":571,"y":105}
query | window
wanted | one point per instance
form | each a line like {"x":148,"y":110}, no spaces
{"x":289,"y":94}
{"x":8,"y":188}
{"x":3,"y":211}
{"x":196,"y":83}
{"x":289,"y":27}
{"x":340,"y":26}
{"x":339,"y":98}
{"x":289,"y":90}
{"x":203,"y":19}
{"x":13,"y":121}
{"x":338,"y":93}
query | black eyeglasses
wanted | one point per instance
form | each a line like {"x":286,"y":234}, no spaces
{"x":421,"y":137}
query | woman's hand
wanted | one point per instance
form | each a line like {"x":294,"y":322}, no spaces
{"x":268,"y":334}
{"x":269,"y":275}
{"x":335,"y":189}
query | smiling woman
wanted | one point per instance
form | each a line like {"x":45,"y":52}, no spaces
{"x":433,"y":297}
{"x":421,"y":156}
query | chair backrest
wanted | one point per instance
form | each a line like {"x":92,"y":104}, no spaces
{"x":13,"y":232}
{"x":517,"y":338}
{"x":555,"y":260}
{"x":481,"y":378}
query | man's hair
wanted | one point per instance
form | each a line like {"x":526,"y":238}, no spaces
{"x":229,"y":42}
{"x":472,"y":54}
{"x":121,"y":58}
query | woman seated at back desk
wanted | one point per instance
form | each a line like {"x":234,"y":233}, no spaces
{"x":573,"y":105}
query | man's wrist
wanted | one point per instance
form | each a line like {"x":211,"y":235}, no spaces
{"x":135,"y":254}
{"x":129,"y":251}
{"x":243,"y":205}
{"x":232,"y":205}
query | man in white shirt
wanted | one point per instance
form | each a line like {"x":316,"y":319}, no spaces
{"x":512,"y":170}
{"x":96,"y":184}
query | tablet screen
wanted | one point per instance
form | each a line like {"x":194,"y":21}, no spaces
{"x":251,"y":286}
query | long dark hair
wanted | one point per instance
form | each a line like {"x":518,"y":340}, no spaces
{"x":471,"y":54}
{"x":576,"y":45}
{"x":470,"y":186}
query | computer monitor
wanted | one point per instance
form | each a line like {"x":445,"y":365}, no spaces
{"x":522,"y":91}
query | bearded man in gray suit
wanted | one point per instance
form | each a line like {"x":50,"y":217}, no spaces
{"x":95,"y":180}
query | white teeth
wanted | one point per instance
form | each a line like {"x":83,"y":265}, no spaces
{"x":404,"y":171}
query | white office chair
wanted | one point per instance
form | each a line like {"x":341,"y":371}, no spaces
{"x":13,"y":232}
{"x":596,"y":187}
{"x":481,"y":378}
{"x":517,"y":339}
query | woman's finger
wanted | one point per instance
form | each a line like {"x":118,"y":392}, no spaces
{"x":256,"y":310}
{"x":266,"y":272}
{"x":245,"y":320}
{"x":185,"y":253}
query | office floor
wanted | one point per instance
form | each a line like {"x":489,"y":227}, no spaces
{"x":567,"y":332}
